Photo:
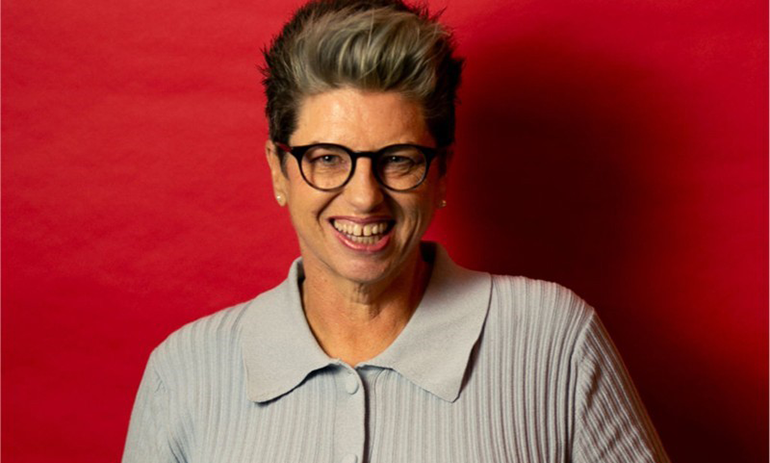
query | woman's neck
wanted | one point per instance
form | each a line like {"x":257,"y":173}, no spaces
{"x":355,"y":322}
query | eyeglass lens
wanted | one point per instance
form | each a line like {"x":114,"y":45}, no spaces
{"x":399,"y":167}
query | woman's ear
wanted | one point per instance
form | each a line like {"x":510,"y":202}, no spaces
{"x":442,"y":179}
{"x":276,"y":173}
{"x":441,"y":197}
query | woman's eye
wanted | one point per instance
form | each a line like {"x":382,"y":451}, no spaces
{"x":397,"y":160}
{"x":329,"y":159}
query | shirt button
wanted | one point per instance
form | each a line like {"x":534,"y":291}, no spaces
{"x":351,"y":385}
{"x":350,"y":459}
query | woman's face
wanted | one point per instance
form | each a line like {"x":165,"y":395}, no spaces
{"x":327,"y":222}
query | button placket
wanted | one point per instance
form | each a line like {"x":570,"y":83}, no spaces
{"x":350,"y":426}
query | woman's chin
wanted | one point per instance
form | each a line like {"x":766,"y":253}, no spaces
{"x":366,"y":271}
{"x":372,"y":268}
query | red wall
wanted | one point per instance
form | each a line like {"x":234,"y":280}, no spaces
{"x":619,"y":148}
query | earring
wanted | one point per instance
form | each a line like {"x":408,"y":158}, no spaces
{"x":442,"y":204}
{"x":279,"y":198}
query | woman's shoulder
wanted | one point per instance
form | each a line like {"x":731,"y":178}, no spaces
{"x":538,"y":307}
{"x":209,"y":336}
{"x":546,"y":295}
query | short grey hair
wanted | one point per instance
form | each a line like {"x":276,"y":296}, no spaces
{"x":377,"y":45}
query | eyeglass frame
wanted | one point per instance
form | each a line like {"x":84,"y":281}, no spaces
{"x":298,"y":151}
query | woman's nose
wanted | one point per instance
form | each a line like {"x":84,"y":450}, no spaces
{"x":363,"y":190}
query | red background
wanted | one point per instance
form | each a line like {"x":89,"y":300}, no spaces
{"x":617,"y":147}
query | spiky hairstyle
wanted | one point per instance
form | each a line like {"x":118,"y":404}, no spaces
{"x":376,"y":45}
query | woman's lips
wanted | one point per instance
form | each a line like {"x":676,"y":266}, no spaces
{"x":370,"y":235}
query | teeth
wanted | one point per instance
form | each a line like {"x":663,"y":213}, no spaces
{"x":364,"y":239}
{"x":362,"y":233}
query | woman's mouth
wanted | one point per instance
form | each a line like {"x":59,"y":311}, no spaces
{"x":371,"y":236}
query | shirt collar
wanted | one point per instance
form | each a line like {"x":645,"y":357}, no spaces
{"x":432,"y":351}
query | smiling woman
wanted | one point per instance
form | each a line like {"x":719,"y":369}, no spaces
{"x":357,"y":287}
{"x":377,"y":347}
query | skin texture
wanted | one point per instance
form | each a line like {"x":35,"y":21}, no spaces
{"x":357,"y":302}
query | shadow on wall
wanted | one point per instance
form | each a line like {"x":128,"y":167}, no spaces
{"x":560,"y":153}
{"x":551,"y":143}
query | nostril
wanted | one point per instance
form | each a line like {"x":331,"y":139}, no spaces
{"x":364,"y":193}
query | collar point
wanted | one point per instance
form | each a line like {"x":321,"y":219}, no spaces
{"x":450,"y":397}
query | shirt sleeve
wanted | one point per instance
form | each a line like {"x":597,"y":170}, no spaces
{"x":611,"y":424}
{"x":149,"y":439}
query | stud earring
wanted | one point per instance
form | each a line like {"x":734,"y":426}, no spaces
{"x":279,"y":198}
{"x":442,"y":204}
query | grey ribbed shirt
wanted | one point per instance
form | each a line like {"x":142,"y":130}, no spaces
{"x":488,"y":369}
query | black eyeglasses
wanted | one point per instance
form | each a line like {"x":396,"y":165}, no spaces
{"x":327,"y":167}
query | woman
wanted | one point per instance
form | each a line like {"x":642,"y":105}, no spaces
{"x":377,"y":347}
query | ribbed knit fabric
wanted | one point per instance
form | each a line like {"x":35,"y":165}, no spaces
{"x":541,"y":382}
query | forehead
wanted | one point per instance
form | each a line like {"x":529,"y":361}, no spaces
{"x":360,"y":120}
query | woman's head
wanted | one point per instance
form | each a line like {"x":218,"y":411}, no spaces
{"x":371,"y":45}
{"x":358,"y":81}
